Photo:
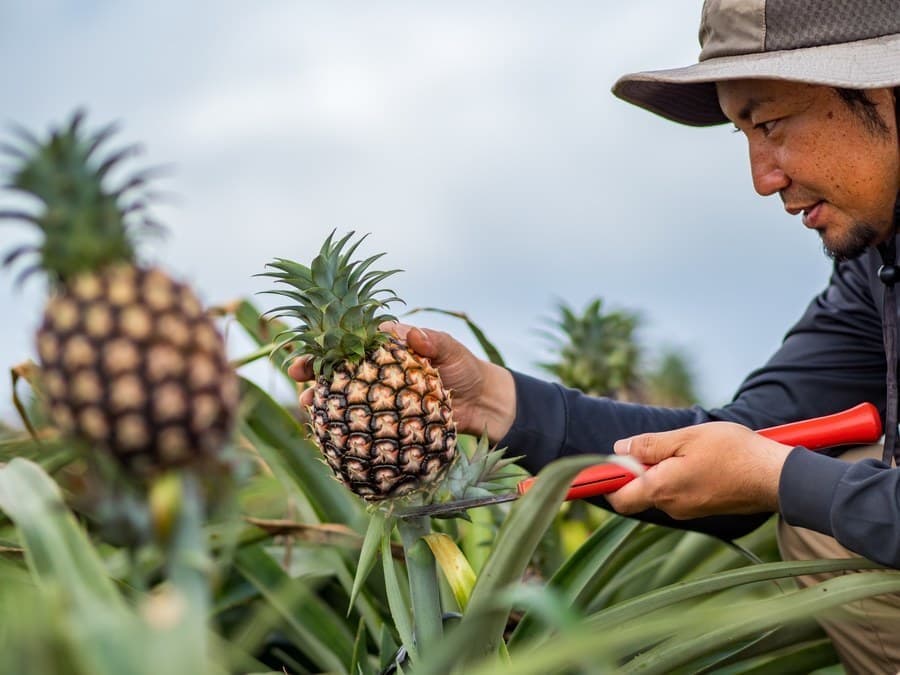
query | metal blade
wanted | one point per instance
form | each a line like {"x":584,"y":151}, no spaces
{"x":456,"y":507}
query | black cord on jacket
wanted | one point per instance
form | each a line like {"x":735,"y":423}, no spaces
{"x":888,"y":273}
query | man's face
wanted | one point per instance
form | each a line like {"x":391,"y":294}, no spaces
{"x":824,"y":158}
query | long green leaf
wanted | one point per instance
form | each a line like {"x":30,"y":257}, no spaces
{"x":640,"y":550}
{"x":696,"y":633}
{"x":276,"y":427}
{"x":457,"y":570}
{"x":107,"y":638}
{"x":359,"y":663}
{"x":368,"y":555}
{"x":776,"y":648}
{"x":320,"y":632}
{"x":263,"y":331}
{"x":396,"y":598}
{"x":516,"y":542}
{"x":723,"y":627}
{"x":424,"y":588}
{"x":581,"y":568}
{"x":670,"y":595}
{"x":805,"y":657}
{"x":692,"y":551}
{"x":57,"y":549}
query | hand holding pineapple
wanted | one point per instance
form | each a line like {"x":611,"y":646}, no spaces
{"x":484,"y":394}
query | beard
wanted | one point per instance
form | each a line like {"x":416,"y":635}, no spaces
{"x":854,"y":243}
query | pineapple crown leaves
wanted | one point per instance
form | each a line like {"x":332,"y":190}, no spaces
{"x":85,"y":223}
{"x":338,"y":302}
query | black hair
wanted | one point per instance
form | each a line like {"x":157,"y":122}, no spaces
{"x":897,"y":110}
{"x":860,"y":103}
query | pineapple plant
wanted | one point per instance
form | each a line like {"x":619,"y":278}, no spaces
{"x":130,"y":361}
{"x":596,"y":351}
{"x":380,"y":414}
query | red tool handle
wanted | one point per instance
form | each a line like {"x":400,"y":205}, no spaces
{"x":860,"y":424}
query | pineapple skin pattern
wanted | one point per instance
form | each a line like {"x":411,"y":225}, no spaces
{"x":384,"y":424}
{"x":132,"y":363}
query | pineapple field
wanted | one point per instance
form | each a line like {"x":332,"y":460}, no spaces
{"x":162,"y":512}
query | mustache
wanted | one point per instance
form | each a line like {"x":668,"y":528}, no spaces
{"x":795,"y":195}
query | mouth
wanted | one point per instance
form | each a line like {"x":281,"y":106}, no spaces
{"x":812,"y":215}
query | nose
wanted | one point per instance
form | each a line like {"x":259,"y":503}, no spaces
{"x":768,"y":176}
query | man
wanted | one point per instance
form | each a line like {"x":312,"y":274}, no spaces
{"x":813,"y":85}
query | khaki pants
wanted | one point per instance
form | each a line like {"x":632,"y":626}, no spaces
{"x":866,"y":635}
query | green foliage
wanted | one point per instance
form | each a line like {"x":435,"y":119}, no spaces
{"x":287,"y":579}
{"x":596,"y":351}
{"x":599,"y":353}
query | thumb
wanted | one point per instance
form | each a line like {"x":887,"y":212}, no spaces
{"x":648,"y":448}
{"x":422,"y":342}
{"x":430,"y":344}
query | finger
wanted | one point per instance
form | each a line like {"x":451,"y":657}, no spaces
{"x":301,"y":369}
{"x":649,"y":448}
{"x":306,"y":397}
{"x":420,"y":341}
{"x":633,"y":497}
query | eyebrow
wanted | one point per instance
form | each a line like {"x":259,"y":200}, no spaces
{"x":750,"y":106}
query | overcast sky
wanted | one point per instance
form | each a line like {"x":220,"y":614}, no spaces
{"x":477,"y":142}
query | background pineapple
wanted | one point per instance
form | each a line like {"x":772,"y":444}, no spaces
{"x":598,"y":352}
{"x":130,"y":360}
{"x":380,"y":412}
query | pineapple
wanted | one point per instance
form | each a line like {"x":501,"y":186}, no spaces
{"x":130,"y":361}
{"x":597,"y":351}
{"x":380,"y":413}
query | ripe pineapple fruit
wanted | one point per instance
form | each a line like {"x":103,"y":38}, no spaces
{"x":380,"y":414}
{"x":130,"y":360}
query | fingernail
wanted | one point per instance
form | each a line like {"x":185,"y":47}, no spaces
{"x":622,"y":447}
{"x":424,"y":335}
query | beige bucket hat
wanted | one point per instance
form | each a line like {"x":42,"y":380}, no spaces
{"x":853,"y":44}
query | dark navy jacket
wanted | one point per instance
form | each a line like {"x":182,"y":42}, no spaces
{"x":832,"y":359}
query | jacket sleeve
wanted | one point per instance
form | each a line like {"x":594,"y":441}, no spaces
{"x":858,"y":504}
{"x":830,"y":360}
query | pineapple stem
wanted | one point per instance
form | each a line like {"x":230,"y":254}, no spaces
{"x":423,"y":582}
{"x":20,"y":372}
{"x":189,"y":568}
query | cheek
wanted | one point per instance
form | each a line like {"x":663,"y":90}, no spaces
{"x":861,"y":169}
{"x":871,"y":175}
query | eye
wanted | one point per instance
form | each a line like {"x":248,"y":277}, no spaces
{"x":767,"y":127}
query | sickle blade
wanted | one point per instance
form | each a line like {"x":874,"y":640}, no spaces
{"x":448,"y":508}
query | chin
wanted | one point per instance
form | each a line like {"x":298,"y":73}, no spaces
{"x":856,"y":241}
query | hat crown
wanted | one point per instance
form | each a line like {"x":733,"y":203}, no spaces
{"x":732,"y":27}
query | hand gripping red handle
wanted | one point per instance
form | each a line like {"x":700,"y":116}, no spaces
{"x":860,"y":424}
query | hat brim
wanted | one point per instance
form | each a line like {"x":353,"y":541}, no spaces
{"x":688,"y":95}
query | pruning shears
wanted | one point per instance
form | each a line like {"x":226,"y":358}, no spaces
{"x":857,"y":425}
